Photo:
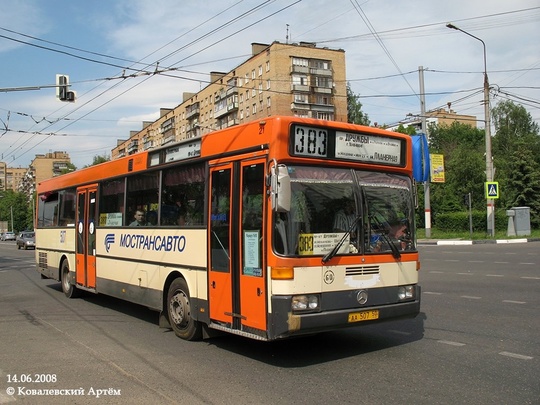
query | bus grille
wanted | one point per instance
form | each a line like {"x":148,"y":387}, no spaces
{"x":42,"y":263}
{"x":361,"y":270}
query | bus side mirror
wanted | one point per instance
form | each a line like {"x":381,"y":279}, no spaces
{"x":280,"y":188}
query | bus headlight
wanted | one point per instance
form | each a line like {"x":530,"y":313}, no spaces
{"x":406,"y":292}
{"x":308,"y":302}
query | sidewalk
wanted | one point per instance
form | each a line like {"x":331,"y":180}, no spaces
{"x":447,"y":242}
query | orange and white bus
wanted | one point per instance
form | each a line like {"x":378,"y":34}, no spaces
{"x":268,"y":230}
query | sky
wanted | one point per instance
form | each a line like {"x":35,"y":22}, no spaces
{"x":111,"y":51}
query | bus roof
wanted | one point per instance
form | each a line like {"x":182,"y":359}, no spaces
{"x":259,"y":134}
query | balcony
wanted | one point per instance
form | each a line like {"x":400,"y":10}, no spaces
{"x":300,"y":87}
{"x":193,"y":110}
{"x":133,"y":146}
{"x":320,"y":72}
{"x":299,"y":69}
{"x":322,"y":90}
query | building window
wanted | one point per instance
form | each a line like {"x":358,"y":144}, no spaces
{"x":325,"y":116}
{"x":260,"y":88}
{"x":267,"y":65}
{"x":254,"y":108}
{"x":247,"y":112}
{"x":268,"y":102}
{"x":253,"y":92}
{"x":253,"y":74}
{"x":323,"y":100}
{"x":246,"y":78}
{"x":300,"y":62}
{"x":260,"y":70}
{"x":299,"y":80}
{"x":300,"y":98}
{"x":267,"y":84}
{"x":325,"y":82}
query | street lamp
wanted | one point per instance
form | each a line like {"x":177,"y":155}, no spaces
{"x":487,"y":117}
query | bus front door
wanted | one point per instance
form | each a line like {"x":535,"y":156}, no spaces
{"x":85,"y":269}
{"x":237,"y":273}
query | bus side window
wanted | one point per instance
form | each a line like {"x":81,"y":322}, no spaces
{"x":143,"y":194}
{"x":111,"y":205}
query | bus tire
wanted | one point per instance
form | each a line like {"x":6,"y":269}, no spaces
{"x":179,"y":311}
{"x":70,"y":290}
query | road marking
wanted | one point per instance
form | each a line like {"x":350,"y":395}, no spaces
{"x":530,"y":278}
{"x":465,"y":274}
{"x":514,"y":302}
{"x":448,"y":342}
{"x":516,"y":356}
{"x":501,"y":262}
{"x":431,"y":293}
{"x":528,"y":264}
{"x":494,"y":275}
{"x":476,"y":261}
{"x":400,"y":332}
{"x":471,"y":297}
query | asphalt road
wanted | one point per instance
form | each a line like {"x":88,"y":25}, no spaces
{"x":475,"y":342}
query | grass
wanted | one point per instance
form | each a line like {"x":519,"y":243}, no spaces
{"x":438,"y":234}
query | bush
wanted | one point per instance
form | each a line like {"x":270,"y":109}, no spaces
{"x":459,"y":221}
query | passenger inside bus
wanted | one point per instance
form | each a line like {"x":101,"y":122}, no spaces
{"x":345,"y":217}
{"x":140,"y":219}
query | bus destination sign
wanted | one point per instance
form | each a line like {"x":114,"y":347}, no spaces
{"x":368,"y":148}
{"x":356,"y":146}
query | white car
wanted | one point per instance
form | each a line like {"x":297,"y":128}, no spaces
{"x":8,"y":236}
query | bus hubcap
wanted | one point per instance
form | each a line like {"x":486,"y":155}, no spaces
{"x":180,"y":308}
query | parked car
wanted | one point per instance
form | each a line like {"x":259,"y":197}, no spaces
{"x":8,"y":236}
{"x":26,"y":240}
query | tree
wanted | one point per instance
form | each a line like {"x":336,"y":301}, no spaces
{"x":463,"y":148}
{"x":99,"y":159}
{"x":513,"y":124}
{"x":409,"y":130}
{"x":16,"y":203}
{"x":355,"y":115}
{"x":516,"y":151}
{"x":70,"y":167}
{"x":523,"y":184}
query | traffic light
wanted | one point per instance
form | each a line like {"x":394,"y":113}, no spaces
{"x":62,"y":89}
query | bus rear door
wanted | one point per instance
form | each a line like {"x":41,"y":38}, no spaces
{"x":85,"y":269}
{"x":237,"y":288}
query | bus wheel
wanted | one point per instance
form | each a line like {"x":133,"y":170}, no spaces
{"x":179,"y":311}
{"x":69,"y":289}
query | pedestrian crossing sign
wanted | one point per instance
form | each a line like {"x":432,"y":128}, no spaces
{"x":492,"y":189}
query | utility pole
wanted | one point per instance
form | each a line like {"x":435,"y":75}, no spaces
{"x":487,"y":115}
{"x":427,"y":203}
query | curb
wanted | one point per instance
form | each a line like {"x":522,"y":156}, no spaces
{"x":474,"y":242}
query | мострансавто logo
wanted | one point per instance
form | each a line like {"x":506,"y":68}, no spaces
{"x":156,"y":243}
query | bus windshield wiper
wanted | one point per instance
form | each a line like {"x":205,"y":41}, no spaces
{"x":338,"y":245}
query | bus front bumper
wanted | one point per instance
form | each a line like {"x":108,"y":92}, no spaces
{"x":285,"y":323}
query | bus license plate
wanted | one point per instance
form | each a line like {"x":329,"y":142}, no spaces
{"x":364,"y":315}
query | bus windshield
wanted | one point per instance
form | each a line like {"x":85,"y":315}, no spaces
{"x":345,"y":211}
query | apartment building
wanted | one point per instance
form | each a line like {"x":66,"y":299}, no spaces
{"x":278,"y":79}
{"x":25,"y":179}
{"x":439,"y":116}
